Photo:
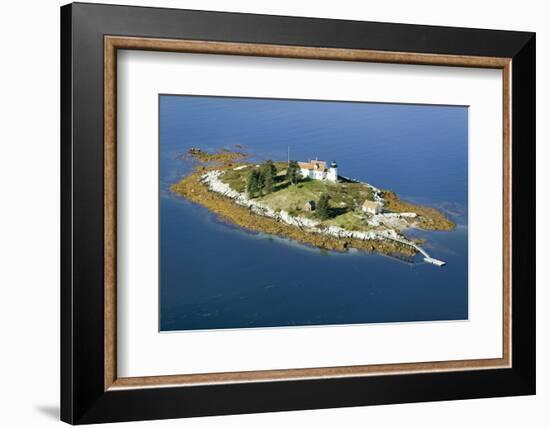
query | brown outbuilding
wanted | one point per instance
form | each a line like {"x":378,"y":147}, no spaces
{"x":309,"y":206}
{"x":372,"y":207}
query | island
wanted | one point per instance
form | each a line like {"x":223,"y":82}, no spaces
{"x":307,"y":201}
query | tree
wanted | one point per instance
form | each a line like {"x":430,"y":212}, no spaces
{"x":267,"y":175}
{"x":253,"y":184}
{"x":323,"y":209}
{"x":293,"y":172}
{"x":267,"y":183}
{"x":270,"y":166}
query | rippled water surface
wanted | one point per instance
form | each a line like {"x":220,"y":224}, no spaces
{"x":214,"y":275}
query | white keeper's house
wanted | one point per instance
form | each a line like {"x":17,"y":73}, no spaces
{"x":317,"y":170}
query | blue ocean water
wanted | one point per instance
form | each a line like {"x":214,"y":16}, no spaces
{"x":214,"y":275}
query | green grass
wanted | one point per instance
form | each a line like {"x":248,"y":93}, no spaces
{"x":346,"y":199}
{"x":293,"y":197}
{"x":345,"y":202}
{"x":236,"y":179}
{"x":351,"y":220}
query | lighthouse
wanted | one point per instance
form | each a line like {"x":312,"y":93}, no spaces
{"x":332,"y":174}
{"x":317,"y":170}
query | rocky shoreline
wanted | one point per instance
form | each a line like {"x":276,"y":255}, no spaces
{"x":205,"y":187}
{"x":214,"y":184}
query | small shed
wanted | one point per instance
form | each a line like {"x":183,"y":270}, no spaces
{"x":309,"y":206}
{"x":372,"y":207}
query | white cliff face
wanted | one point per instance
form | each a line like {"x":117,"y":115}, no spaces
{"x":212,"y":180}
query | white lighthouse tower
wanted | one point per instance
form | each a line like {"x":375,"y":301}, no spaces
{"x":332,"y":174}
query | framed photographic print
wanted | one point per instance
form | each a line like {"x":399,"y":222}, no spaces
{"x":264,"y":213}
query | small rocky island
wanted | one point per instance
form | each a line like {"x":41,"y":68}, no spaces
{"x":307,"y":201}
